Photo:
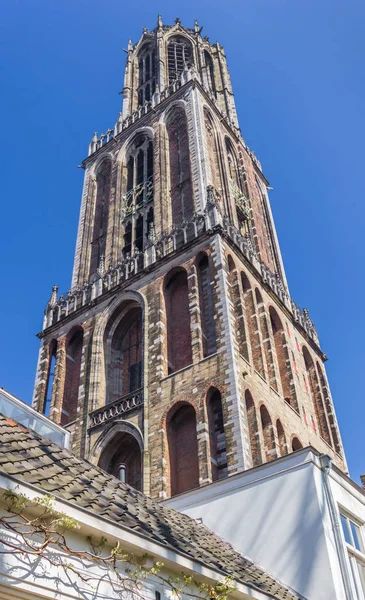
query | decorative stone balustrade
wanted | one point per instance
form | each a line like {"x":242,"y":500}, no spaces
{"x":105,"y":280}
{"x":117,"y":408}
{"x":169,"y":242}
{"x":122,"y":124}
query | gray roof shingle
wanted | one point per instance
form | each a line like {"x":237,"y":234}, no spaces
{"x":33,"y":459}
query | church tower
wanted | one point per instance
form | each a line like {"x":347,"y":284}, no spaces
{"x":178,"y":356}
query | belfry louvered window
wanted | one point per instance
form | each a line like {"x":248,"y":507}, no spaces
{"x":146,"y":76}
{"x":179,"y":55}
{"x":137,"y":202}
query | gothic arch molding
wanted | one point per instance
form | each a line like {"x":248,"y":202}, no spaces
{"x":166,"y":114}
{"x":100,"y":159}
{"x":107,"y":436}
{"x":123,"y":152}
{"x":97,"y":394}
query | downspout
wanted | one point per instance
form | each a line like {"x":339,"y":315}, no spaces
{"x":326,"y":466}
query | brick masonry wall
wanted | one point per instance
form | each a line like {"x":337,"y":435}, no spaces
{"x":251,"y":369}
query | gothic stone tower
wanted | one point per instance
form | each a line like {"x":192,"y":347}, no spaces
{"x":178,"y":357}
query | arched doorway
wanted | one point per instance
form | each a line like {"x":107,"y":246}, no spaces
{"x":122,"y":458}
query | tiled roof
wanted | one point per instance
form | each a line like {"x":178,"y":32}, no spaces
{"x":33,"y":459}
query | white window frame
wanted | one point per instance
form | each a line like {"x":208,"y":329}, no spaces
{"x":354,"y":555}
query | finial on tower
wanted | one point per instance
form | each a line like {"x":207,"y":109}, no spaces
{"x":159,"y":21}
{"x":177,"y":21}
{"x":144,"y":30}
{"x":197,"y":29}
{"x":53,"y":298}
{"x":130,"y":45}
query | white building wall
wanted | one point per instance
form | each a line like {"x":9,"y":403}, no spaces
{"x":278,"y":516}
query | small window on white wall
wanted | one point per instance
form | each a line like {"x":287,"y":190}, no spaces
{"x":352,"y":533}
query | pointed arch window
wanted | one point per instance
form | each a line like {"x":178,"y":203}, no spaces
{"x":317,"y":397}
{"x":253,"y":430}
{"x":283,"y":447}
{"x":122,"y":458}
{"x":268,"y":434}
{"x":268,"y":228}
{"x":179,"y":56}
{"x":283,"y":359}
{"x":213,"y":152}
{"x":238,"y":188}
{"x":238,"y":312}
{"x":137,"y":202}
{"x":146,"y":75}
{"x":101,"y":214}
{"x":206,"y":308}
{"x":183,"y":450}
{"x":50,"y":378}
{"x":217,"y":437}
{"x":72,"y":378}
{"x":179,"y":350}
{"x":210,"y":72}
{"x":182,"y":205}
{"x":125,"y":366}
{"x":253,"y":325}
{"x":329,"y":409}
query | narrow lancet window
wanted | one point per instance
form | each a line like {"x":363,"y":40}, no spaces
{"x":182,"y":206}
{"x":138,"y":199}
{"x":101,"y":214}
{"x":179,"y":56}
{"x":146,"y":75}
{"x":206,"y":308}
{"x":179,"y":349}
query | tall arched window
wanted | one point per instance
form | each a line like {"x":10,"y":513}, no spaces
{"x":283,"y":447}
{"x":125,"y":356}
{"x":210,"y":72}
{"x":179,"y":350}
{"x":206,"y":307}
{"x":122,"y":458}
{"x":183,"y":449}
{"x":329,"y":409}
{"x":266,"y":340}
{"x":182,"y":205}
{"x":268,"y":232}
{"x":253,"y":430}
{"x":146,"y":75}
{"x":137,"y":202}
{"x":238,"y":188}
{"x":103,"y":187}
{"x":72,"y":377}
{"x":317,"y":398}
{"x":217,"y":437}
{"x":50,"y":378}
{"x":235,"y":297}
{"x":268,"y":433}
{"x":179,"y":56}
{"x":253,"y":325}
{"x":283,"y":359}
{"x":213,"y":152}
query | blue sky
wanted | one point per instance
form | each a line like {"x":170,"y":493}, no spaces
{"x":298,"y":77}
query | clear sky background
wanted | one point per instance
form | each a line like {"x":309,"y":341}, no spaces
{"x":297,"y":69}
